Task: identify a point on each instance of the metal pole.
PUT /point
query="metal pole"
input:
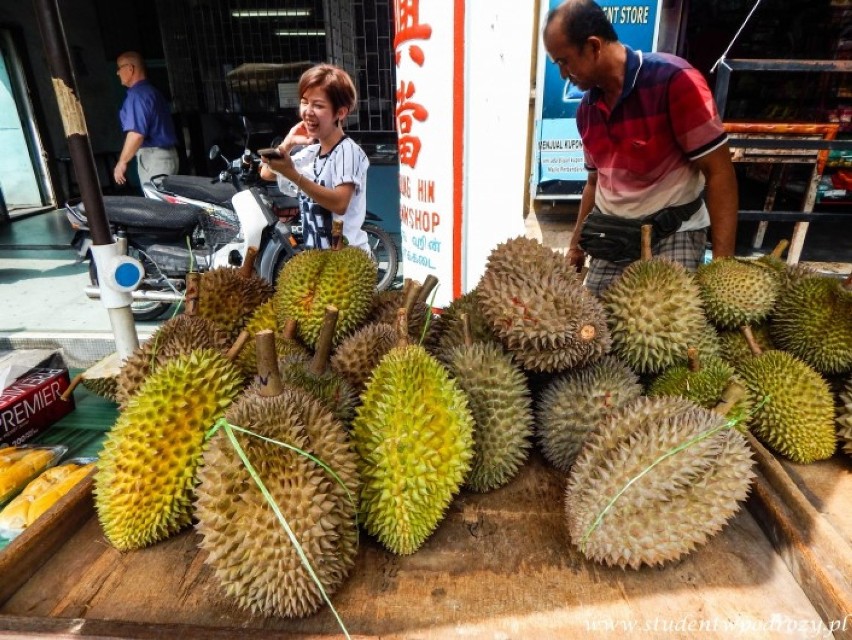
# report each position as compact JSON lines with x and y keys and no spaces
{"x":80,"y":148}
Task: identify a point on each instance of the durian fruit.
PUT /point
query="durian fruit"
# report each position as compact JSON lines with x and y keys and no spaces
{"x":358,"y":354}
{"x":286,"y":344}
{"x":500,"y":403}
{"x":229,"y":296}
{"x":654,"y":312}
{"x":703,"y":380}
{"x":813,"y":321}
{"x":175,"y":337}
{"x":315,"y":376}
{"x":844,"y":416}
{"x":452,"y":328}
{"x":575,"y":402}
{"x":102,"y":377}
{"x":737,"y":292}
{"x":413,"y":436}
{"x":633,"y":498}
{"x":533,"y":301}
{"x":794,"y":411}
{"x":789,"y":274}
{"x":314,"y":279}
{"x":146,"y":471}
{"x":251,"y":554}
{"x":734,"y":347}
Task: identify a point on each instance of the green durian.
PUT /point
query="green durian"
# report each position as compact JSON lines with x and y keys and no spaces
{"x":146,"y":471}
{"x":703,"y":381}
{"x":175,"y":337}
{"x":813,"y":321}
{"x":737,"y":292}
{"x":500,"y":403}
{"x":575,"y":402}
{"x":315,"y":279}
{"x":251,"y":554}
{"x":794,"y":410}
{"x":655,"y":314}
{"x":734,"y":347}
{"x":452,"y":332}
{"x":658,"y":478}
{"x":413,"y":436}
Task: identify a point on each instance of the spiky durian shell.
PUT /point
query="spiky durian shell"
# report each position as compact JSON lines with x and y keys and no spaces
{"x":534,"y":303}
{"x":104,"y":387}
{"x":575,"y":402}
{"x":316,"y":279}
{"x":737,"y":292}
{"x":813,"y":321}
{"x":735,"y":349}
{"x":654,"y":314}
{"x":177,"y":336}
{"x":670,"y":508}
{"x":844,"y":417}
{"x":704,"y":387}
{"x":500,"y":403}
{"x":358,"y":354}
{"x":228,"y":298}
{"x":251,"y":554}
{"x":330,"y":388}
{"x":146,"y":470}
{"x":794,"y":411}
{"x":413,"y":436}
{"x":452,"y":328}
{"x":788,"y":274}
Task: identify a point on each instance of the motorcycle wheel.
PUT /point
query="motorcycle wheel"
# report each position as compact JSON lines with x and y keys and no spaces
{"x":385,"y":254}
{"x":141,"y":310}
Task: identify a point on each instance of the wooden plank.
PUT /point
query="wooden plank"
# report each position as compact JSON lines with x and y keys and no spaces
{"x":827,"y":485}
{"x":37,"y":544}
{"x":500,"y":565}
{"x":814,"y":551}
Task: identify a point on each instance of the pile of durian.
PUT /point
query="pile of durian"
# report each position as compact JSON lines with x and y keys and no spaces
{"x":640,"y":398}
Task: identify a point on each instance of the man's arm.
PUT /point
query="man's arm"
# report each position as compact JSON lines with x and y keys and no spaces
{"x":132,"y":143}
{"x":722,"y":199}
{"x":576,"y":256}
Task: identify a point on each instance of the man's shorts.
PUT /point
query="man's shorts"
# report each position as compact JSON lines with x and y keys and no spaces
{"x":685,"y":247}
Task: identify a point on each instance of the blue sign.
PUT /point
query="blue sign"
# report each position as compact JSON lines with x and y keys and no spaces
{"x":558,"y":157}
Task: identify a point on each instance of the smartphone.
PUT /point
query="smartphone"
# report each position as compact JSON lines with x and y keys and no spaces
{"x":271,"y":152}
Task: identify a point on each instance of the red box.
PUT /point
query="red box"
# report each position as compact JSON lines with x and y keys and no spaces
{"x":31,"y":404}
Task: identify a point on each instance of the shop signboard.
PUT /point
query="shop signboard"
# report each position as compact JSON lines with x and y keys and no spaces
{"x":558,"y":170}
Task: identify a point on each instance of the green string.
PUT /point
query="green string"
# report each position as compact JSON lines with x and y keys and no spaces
{"x":730,"y":424}
{"x":229,"y":431}
{"x":428,"y":319}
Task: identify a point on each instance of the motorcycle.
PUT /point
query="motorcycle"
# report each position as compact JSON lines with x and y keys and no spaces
{"x":172,"y":239}
{"x":215,"y":195}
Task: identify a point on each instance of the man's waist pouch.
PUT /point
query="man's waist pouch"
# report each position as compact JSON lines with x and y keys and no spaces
{"x":619,"y":240}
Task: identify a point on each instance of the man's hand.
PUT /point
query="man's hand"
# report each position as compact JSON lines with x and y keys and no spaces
{"x":119,"y":172}
{"x":576,"y":257}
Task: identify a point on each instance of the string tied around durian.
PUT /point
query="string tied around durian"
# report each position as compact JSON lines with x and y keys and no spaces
{"x":733,"y":422}
{"x":229,"y":429}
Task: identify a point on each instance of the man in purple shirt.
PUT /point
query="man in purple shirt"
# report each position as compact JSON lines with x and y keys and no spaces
{"x":147,"y":122}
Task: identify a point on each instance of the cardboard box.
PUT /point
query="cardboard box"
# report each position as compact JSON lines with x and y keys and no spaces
{"x":30,"y":400}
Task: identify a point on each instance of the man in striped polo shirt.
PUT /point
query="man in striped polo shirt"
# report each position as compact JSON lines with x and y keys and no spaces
{"x":652,"y":139}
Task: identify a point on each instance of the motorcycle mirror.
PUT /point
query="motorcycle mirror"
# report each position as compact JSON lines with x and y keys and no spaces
{"x":214,"y":152}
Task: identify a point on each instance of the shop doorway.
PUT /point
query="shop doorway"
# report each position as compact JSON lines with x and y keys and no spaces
{"x":23,"y":185}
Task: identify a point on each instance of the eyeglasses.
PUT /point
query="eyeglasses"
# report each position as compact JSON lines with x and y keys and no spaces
{"x":121,"y":66}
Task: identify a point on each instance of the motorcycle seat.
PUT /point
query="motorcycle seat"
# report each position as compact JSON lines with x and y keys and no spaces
{"x":199,"y":188}
{"x":133,"y":211}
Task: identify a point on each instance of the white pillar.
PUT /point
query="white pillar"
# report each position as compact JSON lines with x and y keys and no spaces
{"x":463,"y":96}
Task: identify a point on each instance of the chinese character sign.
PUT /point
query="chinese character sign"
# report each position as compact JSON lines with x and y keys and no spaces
{"x":425,"y":53}
{"x":558,"y":154}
